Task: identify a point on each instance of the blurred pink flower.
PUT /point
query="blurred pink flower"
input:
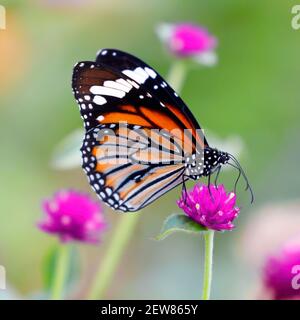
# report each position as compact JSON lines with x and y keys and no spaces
{"x":269,"y":237}
{"x":212,"y":208}
{"x":269,"y":227}
{"x":73,"y":216}
{"x":281,"y":273}
{"x":189,"y":40}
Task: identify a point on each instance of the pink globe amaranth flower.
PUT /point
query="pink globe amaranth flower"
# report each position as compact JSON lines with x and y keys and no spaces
{"x":210,"y":206}
{"x":189,"y":40}
{"x":73,"y":216}
{"x":281,"y":273}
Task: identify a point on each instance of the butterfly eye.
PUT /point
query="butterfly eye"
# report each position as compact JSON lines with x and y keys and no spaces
{"x":224,"y":157}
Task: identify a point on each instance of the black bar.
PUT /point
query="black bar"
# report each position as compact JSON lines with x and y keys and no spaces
{"x":141,"y":309}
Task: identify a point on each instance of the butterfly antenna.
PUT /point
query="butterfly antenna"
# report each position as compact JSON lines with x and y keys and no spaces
{"x":241,"y":172}
{"x":238,"y":177}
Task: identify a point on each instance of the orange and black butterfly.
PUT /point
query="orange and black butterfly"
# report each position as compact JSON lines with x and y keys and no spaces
{"x":141,"y":139}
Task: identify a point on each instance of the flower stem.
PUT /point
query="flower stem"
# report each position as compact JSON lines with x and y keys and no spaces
{"x":177,"y":75}
{"x":120,"y":239}
{"x":125,"y":227}
{"x":208,"y":263}
{"x":60,"y":272}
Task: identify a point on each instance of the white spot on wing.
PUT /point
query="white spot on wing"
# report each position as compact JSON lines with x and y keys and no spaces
{"x":108,"y":191}
{"x":139,"y":75}
{"x":99,"y":100}
{"x":107,"y":91}
{"x":134,"y":84}
{"x":117,"y":85}
{"x":151,"y":72}
{"x":140,"y":71}
{"x":124,"y":83}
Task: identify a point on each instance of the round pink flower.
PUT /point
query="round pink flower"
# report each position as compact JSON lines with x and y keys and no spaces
{"x":189,"y":40}
{"x":282,"y":273}
{"x":73,"y":216}
{"x":210,"y":206}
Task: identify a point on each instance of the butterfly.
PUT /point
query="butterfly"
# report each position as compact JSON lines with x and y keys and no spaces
{"x":135,"y":125}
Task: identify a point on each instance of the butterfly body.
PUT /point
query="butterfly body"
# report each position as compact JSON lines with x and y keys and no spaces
{"x":205,"y":163}
{"x":141,"y":139}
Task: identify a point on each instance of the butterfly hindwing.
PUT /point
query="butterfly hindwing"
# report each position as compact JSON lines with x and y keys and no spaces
{"x":120,"y":182}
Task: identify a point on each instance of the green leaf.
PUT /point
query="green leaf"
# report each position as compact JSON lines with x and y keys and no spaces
{"x":67,"y":153}
{"x":179,"y":222}
{"x":49,"y":267}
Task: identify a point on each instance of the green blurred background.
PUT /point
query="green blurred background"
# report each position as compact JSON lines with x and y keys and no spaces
{"x":252,"y":93}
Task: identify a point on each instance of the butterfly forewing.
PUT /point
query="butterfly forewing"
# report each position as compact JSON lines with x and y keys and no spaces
{"x":99,"y":89}
{"x":154,"y":84}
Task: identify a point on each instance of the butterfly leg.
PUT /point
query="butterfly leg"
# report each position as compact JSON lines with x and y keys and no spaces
{"x":217,"y":176}
{"x":184,"y":189}
{"x":208,"y":182}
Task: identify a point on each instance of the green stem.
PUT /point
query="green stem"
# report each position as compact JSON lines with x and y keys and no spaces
{"x":120,"y":239}
{"x":208,"y":263}
{"x":125,"y":227}
{"x":177,"y":75}
{"x":60,"y":272}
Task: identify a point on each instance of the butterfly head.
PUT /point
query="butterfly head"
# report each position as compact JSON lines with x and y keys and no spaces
{"x":224,"y":157}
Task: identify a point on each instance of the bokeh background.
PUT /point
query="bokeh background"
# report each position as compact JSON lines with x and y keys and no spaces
{"x":253,"y":94}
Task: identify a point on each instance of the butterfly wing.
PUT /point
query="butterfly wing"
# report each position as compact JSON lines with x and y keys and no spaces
{"x":120,"y":182}
{"x":108,"y":96}
{"x":154,"y":84}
